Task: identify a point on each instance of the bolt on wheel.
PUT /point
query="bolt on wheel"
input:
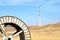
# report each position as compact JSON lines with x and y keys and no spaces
{"x":12,"y":27}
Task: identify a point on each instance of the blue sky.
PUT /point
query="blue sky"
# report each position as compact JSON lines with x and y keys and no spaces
{"x":27,"y":10}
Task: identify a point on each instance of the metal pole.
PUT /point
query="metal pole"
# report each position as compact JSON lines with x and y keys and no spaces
{"x":38,"y":15}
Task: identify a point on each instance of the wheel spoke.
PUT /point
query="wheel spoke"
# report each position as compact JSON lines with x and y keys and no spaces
{"x":17,"y":33}
{"x":3,"y":30}
{"x":12,"y":28}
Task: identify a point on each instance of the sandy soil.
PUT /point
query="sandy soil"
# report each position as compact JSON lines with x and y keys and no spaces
{"x":48,"y":32}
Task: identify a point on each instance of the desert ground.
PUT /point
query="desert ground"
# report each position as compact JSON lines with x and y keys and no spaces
{"x":48,"y":32}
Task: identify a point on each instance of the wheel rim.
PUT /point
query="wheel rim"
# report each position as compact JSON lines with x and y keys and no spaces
{"x":18,"y":25}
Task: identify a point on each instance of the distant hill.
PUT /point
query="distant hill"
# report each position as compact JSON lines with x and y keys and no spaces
{"x":48,"y":32}
{"x":46,"y":26}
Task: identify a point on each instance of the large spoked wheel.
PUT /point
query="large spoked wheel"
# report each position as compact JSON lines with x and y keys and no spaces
{"x":12,"y":27}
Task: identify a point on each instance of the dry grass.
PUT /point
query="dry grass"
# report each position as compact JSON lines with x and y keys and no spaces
{"x":49,"y":32}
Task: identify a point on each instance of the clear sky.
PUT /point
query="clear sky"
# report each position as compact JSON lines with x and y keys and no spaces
{"x":27,"y":10}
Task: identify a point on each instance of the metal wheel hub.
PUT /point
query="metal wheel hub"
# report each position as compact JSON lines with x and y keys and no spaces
{"x":20,"y":27}
{"x":7,"y":38}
